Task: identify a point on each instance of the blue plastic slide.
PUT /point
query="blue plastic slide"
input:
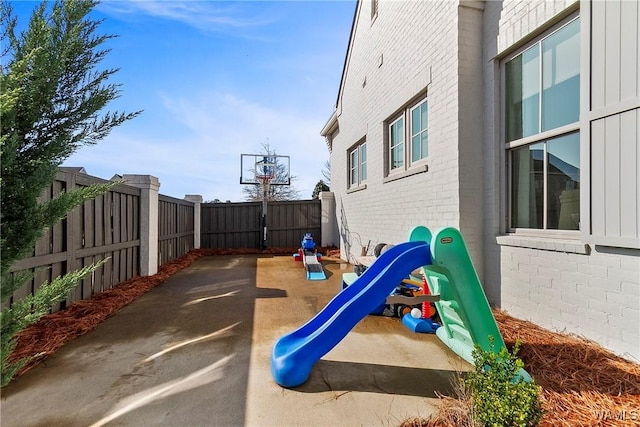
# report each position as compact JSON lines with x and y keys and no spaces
{"x":295,"y":354}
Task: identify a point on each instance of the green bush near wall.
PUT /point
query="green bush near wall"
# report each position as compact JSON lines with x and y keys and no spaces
{"x":500,"y":397}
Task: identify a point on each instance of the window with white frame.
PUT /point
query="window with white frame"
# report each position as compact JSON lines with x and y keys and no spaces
{"x":542,"y":139}
{"x":358,"y":164}
{"x":409,"y":144}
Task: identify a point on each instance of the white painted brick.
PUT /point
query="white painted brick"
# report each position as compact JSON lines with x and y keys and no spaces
{"x":604,"y":306}
{"x":541,"y":280}
{"x":622,"y":275}
{"x":591,"y":292}
{"x":617,"y":298}
{"x":628,"y":347}
{"x":632,"y":313}
{"x":528,"y":269}
{"x":571,"y":277}
{"x":549,"y":294}
{"x":630,"y":263}
{"x":575,"y":298}
{"x":606,"y":260}
{"x":631,"y":289}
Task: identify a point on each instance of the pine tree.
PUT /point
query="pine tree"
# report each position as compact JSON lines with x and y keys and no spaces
{"x":51,"y":101}
{"x":320,"y":186}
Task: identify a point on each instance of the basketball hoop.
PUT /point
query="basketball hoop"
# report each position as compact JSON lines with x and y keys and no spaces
{"x":264,"y":179}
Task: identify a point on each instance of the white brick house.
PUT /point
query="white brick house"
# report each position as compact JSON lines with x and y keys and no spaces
{"x":516,"y":121}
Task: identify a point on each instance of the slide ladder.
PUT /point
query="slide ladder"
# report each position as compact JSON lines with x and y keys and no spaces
{"x":463,"y":307}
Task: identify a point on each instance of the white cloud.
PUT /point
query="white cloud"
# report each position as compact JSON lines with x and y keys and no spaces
{"x":216,"y":128}
{"x":203,"y":15}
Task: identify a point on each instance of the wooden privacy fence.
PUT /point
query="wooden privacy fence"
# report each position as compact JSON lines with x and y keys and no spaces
{"x":175,"y":228}
{"x":110,"y":226}
{"x":121,"y":226}
{"x":239,"y":225}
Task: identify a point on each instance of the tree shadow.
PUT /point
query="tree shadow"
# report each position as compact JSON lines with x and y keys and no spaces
{"x":329,"y":375}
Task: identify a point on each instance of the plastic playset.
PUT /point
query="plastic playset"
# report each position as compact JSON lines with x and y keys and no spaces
{"x":448,"y":280}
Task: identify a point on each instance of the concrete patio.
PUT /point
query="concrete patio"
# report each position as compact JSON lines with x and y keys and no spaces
{"x":195,"y":351}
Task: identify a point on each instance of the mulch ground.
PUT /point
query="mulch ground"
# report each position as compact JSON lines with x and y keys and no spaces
{"x":582,"y":383}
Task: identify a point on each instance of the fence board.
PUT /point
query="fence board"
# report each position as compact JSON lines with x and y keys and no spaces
{"x":57,"y":269}
{"x":59,"y":229}
{"x":238,"y":225}
{"x":175,"y":228}
{"x":98,"y":225}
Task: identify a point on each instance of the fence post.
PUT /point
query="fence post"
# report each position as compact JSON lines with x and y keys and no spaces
{"x":149,"y":186}
{"x":329,"y":223}
{"x":197,"y":202}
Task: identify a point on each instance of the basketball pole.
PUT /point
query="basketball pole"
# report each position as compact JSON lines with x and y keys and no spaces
{"x":262,"y":169}
{"x":264,"y":213}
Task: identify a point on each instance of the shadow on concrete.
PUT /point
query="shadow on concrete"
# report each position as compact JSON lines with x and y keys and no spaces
{"x":329,"y":375}
{"x":172,"y":357}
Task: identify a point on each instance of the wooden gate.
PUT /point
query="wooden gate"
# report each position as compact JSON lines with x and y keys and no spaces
{"x":238,"y":225}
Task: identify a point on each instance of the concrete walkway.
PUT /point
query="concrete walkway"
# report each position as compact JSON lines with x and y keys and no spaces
{"x":195,"y":351}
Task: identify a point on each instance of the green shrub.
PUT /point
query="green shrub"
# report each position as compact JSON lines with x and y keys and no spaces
{"x":500,"y":397}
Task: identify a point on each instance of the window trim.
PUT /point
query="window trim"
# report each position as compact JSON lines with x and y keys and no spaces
{"x":541,"y":137}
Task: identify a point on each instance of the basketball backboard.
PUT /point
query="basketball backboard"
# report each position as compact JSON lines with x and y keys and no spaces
{"x":256,"y":167}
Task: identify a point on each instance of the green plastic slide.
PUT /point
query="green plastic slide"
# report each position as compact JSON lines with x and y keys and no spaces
{"x":466,"y":317}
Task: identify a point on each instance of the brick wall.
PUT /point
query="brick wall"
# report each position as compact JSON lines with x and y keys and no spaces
{"x":413,"y":57}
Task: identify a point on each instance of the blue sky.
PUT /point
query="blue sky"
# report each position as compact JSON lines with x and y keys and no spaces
{"x":217,"y":79}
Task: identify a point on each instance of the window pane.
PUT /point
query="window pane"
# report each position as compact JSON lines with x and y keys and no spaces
{"x":354,"y":167}
{"x":563,"y":182}
{"x":522,"y":94}
{"x":561,"y":77}
{"x":424,"y":144}
{"x":396,"y":143}
{"x":397,"y":157}
{"x":419,"y":132}
{"x":363,"y":162}
{"x":527,"y":186}
{"x":415,"y":121}
{"x":415,"y":148}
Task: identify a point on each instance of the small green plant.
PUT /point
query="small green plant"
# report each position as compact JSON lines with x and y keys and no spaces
{"x":500,"y":396}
